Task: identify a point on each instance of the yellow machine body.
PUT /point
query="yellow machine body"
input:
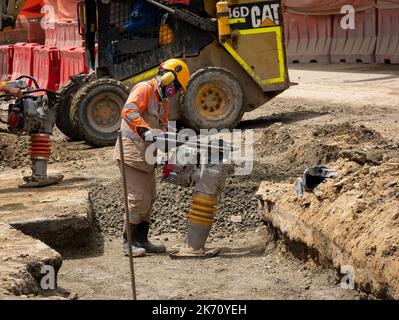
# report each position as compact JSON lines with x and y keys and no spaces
{"x":222,"y":10}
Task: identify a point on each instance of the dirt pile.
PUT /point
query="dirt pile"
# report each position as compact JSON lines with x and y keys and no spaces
{"x":237,"y":210}
{"x":323,"y":144}
{"x":276,"y":139}
{"x":14,"y":151}
{"x":351,"y":220}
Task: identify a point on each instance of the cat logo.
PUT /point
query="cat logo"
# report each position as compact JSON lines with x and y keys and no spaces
{"x":255,"y":15}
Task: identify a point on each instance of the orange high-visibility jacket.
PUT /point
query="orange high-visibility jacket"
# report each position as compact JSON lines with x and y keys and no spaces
{"x":143,"y":109}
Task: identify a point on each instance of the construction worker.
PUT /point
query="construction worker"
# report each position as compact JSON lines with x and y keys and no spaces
{"x":146,"y":111}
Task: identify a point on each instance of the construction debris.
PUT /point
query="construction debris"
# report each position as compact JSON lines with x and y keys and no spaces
{"x":312,"y":177}
{"x":22,"y":259}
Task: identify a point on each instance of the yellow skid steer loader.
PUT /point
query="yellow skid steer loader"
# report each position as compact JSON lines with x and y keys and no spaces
{"x":234,"y":49}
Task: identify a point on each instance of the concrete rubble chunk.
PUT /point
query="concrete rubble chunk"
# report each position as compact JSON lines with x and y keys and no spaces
{"x":21,"y":260}
{"x":236,"y":219}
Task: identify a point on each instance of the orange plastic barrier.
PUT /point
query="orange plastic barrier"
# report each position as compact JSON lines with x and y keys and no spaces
{"x":50,"y":19}
{"x":23,"y":60}
{"x":46,"y":67}
{"x":67,"y":10}
{"x":68,"y":35}
{"x":325,"y":7}
{"x":73,"y":62}
{"x":29,"y":19}
{"x":63,"y":34}
{"x":308,"y":38}
{"x":6,"y":55}
{"x":388,"y":36}
{"x":52,"y":12}
{"x":51,"y":34}
{"x":357,"y":45}
{"x":32,"y":5}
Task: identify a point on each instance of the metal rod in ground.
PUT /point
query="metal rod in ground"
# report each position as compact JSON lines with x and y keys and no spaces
{"x":128,"y":227}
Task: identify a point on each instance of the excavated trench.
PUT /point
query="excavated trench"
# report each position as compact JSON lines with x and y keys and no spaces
{"x":305,"y":252}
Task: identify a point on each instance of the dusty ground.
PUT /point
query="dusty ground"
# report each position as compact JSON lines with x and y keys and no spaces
{"x":249,"y":267}
{"x":334,"y":108}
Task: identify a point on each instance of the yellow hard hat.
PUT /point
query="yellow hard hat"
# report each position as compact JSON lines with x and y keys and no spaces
{"x":179,"y":68}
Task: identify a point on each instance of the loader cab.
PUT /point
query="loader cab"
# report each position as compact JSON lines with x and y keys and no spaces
{"x":123,"y":38}
{"x":133,"y":29}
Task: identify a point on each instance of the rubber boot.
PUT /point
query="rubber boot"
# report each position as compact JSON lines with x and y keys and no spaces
{"x":136,"y":252}
{"x":141,"y":239}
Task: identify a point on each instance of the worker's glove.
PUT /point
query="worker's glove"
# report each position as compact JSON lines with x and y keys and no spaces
{"x":149,"y":136}
{"x":141,"y":131}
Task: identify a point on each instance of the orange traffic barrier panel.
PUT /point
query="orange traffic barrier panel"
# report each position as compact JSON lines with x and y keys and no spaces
{"x":388,"y":36}
{"x":23,"y":60}
{"x":355,"y":45}
{"x":67,"y":34}
{"x":66,"y":10}
{"x":308,"y":38}
{"x":46,"y":67}
{"x":6,"y":55}
{"x":73,"y":62}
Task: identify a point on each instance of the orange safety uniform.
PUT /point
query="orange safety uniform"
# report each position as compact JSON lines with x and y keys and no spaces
{"x":143,"y":108}
{"x":142,"y":103}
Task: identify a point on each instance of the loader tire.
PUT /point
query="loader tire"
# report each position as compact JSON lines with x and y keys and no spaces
{"x":96,"y":110}
{"x":63,"y":107}
{"x":213,"y":100}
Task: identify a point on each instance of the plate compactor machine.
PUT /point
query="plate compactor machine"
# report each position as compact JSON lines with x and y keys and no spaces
{"x":234,"y":49}
{"x":32,"y":111}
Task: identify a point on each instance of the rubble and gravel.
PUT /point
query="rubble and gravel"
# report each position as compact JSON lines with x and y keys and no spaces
{"x":171,"y":208}
{"x":322,"y":145}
